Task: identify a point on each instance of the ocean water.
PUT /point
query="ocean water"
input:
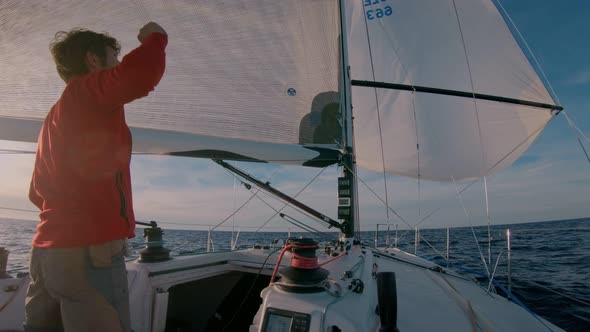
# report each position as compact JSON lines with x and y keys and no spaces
{"x":550,"y":261}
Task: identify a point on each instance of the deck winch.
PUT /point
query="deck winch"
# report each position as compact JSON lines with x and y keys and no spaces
{"x":304,"y":275}
{"x":154,"y":250}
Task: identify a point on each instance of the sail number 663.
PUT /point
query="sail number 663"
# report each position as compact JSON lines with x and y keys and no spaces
{"x":379,"y":12}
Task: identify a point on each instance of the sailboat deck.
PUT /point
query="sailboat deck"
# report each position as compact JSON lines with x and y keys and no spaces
{"x":201,"y":292}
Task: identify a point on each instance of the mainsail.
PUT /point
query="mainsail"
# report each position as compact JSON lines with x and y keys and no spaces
{"x":245,"y":80}
{"x":448,"y":92}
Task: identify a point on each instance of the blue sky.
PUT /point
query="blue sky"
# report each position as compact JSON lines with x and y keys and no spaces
{"x":551,"y":181}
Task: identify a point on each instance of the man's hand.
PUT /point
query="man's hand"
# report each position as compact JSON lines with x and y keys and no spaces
{"x":148,"y":29}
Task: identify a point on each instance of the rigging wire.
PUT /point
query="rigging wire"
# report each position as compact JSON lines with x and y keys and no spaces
{"x":458,"y":192}
{"x":234,"y":216}
{"x":392,"y":210}
{"x":10,"y":151}
{"x":487,"y":172}
{"x":418,"y":224}
{"x":392,"y":44}
{"x":584,"y":149}
{"x":546,"y":80}
{"x":255,"y":194}
{"x":538,"y":130}
{"x":409,"y":78}
{"x":433,"y":248}
{"x":584,"y":302}
{"x":472,"y":230}
{"x":312,"y":230}
{"x":246,"y":202}
{"x":378,"y":116}
{"x":470,"y":83}
{"x":236,"y":211}
{"x":376,"y":195}
{"x":270,"y":206}
{"x":419,"y":175}
{"x":401,"y":218}
{"x":295,"y":196}
{"x":305,"y":227}
{"x":17,"y":209}
{"x":485,"y":185}
{"x":574,"y":127}
{"x":385,"y":31}
{"x":530,"y":52}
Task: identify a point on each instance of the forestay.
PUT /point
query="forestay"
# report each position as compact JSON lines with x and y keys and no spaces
{"x":245,"y":80}
{"x":459,"y":45}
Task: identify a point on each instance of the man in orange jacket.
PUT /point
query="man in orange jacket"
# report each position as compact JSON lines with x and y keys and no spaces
{"x":81,"y":183}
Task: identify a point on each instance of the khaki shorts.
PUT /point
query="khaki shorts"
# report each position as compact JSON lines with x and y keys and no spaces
{"x":78,"y":289}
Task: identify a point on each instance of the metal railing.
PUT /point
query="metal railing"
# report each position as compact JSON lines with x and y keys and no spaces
{"x":418,"y":238}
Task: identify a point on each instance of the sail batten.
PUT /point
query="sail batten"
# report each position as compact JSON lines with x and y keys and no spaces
{"x":456,"y":93}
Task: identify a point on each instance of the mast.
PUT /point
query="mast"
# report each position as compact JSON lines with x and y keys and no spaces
{"x":347,"y":183}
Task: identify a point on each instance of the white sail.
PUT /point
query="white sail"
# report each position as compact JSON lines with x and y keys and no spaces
{"x":254,"y":73}
{"x":459,"y":45}
{"x":244,"y":72}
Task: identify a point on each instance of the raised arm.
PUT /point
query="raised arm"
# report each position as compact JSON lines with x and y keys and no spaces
{"x":138,"y":73}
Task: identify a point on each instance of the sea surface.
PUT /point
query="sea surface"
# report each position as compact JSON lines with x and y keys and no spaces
{"x":550,"y":261}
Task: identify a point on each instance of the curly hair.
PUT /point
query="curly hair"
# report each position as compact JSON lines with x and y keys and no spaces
{"x":69,"y":50}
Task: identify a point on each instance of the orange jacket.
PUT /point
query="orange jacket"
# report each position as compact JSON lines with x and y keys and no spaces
{"x":81,"y":181}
